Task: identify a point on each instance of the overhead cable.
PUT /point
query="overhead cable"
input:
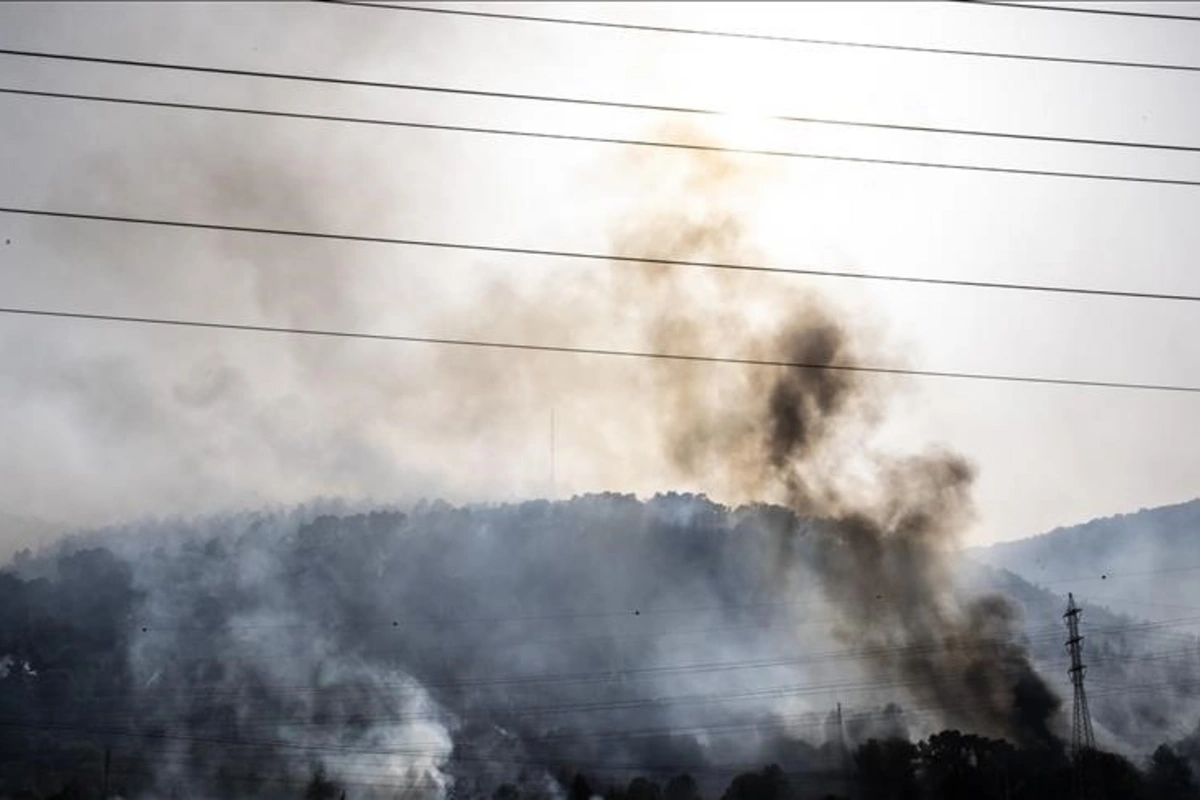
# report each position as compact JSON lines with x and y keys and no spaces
{"x":692,"y":146}
{"x":588,"y":351}
{"x":601,"y":257}
{"x":1083,"y":9}
{"x":771,"y":37}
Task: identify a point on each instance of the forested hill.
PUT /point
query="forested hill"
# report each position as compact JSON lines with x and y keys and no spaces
{"x":247,"y":655}
{"x":1146,"y":564}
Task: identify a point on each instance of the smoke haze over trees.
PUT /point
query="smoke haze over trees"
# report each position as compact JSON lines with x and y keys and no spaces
{"x":504,"y":649}
{"x":1144,"y":563}
{"x":810,"y":631}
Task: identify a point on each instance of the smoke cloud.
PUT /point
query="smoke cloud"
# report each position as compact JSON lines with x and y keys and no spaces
{"x":893,"y":524}
{"x":268,"y":631}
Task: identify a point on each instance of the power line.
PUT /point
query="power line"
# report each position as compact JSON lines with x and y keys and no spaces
{"x":592,"y":351}
{"x":627,"y":703}
{"x":623,"y":703}
{"x":1082,"y":10}
{"x":1040,"y":635}
{"x":1104,"y":576}
{"x":656,"y":107}
{"x":258,"y":722}
{"x":419,"y":749}
{"x":545,"y":98}
{"x":494,"y":131}
{"x":568,"y":100}
{"x":616,"y":674}
{"x":788,"y":721}
{"x":636,"y":703}
{"x":768,"y":37}
{"x":634,"y":611}
{"x":603,"y":257}
{"x":771,"y":691}
{"x":437,"y":750}
{"x":1108,"y":601}
{"x":785,"y":722}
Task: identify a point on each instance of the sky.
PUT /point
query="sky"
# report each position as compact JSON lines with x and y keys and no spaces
{"x":108,"y":422}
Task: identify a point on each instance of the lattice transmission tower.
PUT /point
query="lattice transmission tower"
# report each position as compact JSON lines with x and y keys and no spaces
{"x":1082,"y":737}
{"x":1085,"y":779}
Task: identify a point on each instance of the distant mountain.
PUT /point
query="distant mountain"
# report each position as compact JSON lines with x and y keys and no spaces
{"x":1137,"y":578}
{"x":1143,"y":677}
{"x":1146,"y":564}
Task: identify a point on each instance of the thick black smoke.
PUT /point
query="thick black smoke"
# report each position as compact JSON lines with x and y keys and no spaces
{"x":442,"y":648}
{"x":801,"y":435}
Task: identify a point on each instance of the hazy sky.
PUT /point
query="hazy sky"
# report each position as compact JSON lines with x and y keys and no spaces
{"x":103,"y":422}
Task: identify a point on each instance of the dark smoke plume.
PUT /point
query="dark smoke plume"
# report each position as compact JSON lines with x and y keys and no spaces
{"x":801,"y":435}
{"x":414,"y":648}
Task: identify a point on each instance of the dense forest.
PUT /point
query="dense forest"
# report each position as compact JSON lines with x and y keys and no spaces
{"x":603,"y":646}
{"x":1126,"y":557}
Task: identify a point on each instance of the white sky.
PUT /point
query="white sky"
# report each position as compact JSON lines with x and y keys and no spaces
{"x":309,"y":421}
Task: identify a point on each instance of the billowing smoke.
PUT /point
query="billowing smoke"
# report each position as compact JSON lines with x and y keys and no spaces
{"x":450,"y":647}
{"x":800,"y":434}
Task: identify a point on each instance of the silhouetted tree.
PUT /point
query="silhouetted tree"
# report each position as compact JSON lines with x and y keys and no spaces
{"x":73,"y":790}
{"x":320,"y":787}
{"x":946,"y":764}
{"x":1118,"y":777}
{"x":643,"y":789}
{"x":1039,"y":773}
{"x":887,"y":769}
{"x":506,"y":791}
{"x":1169,"y":776}
{"x":580,"y":788}
{"x":770,"y":784}
{"x":957,"y":765}
{"x":682,"y":787}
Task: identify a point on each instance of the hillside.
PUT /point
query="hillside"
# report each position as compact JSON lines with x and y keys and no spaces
{"x":1145,"y":564}
{"x":1141,"y":678}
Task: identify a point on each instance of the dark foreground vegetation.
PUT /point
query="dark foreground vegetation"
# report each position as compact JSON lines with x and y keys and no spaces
{"x":947,"y":766}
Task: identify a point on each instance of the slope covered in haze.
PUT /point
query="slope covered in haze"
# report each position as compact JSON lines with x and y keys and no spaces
{"x":1146,"y":564}
{"x":1137,"y":578}
{"x":465,"y":647}
{"x":1143,"y":677}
